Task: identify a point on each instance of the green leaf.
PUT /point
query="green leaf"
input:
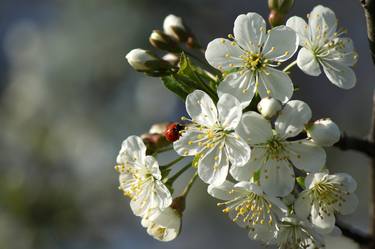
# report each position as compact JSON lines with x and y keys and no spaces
{"x":195,"y":77}
{"x":176,"y":86}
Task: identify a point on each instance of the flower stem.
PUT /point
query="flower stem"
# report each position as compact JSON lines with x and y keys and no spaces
{"x":163,"y":149}
{"x":167,"y":166}
{"x":195,"y":57}
{"x":189,"y":185}
{"x":287,"y":68}
{"x":177,"y":175}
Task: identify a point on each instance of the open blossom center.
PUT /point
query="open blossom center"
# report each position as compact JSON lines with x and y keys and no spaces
{"x":328,"y":195}
{"x":254,"y":61}
{"x":208,"y":137}
{"x":250,"y":208}
{"x":294,"y":236}
{"x":136,"y":181}
{"x":275,"y":149}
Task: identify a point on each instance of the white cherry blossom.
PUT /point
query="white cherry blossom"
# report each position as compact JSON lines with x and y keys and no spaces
{"x":298,"y":234}
{"x":326,"y":195}
{"x":211,"y":136}
{"x":163,"y":225}
{"x":140,"y":177}
{"x":275,"y":151}
{"x":249,"y":60}
{"x":249,"y":207}
{"x":323,"y":46}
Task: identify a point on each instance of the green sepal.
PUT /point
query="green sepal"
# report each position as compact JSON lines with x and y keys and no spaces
{"x":256,"y":176}
{"x":176,"y":86}
{"x":301,"y":181}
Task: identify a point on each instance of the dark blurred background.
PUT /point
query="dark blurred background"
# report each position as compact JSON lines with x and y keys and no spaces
{"x":68,"y":99}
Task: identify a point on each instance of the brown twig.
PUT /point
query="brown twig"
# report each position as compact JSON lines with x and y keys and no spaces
{"x":369,"y":10}
{"x":364,"y":146}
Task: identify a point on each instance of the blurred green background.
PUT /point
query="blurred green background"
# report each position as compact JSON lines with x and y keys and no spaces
{"x":68,"y":99}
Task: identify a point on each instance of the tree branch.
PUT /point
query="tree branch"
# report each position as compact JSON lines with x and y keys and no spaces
{"x":356,"y":235}
{"x":364,"y":146}
{"x":369,"y":9}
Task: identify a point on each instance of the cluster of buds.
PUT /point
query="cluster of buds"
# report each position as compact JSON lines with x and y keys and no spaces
{"x":175,"y":32}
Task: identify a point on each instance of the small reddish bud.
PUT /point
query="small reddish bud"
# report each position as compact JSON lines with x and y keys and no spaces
{"x":172,"y":132}
{"x":276,"y":18}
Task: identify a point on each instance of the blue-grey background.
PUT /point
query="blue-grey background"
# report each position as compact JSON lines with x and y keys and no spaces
{"x":68,"y":99}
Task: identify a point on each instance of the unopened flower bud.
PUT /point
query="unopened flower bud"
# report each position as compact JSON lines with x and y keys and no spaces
{"x":175,"y":27}
{"x":173,"y":132}
{"x":279,"y":9}
{"x":281,"y":6}
{"x":146,"y":61}
{"x":269,"y":107}
{"x":323,"y":132}
{"x":173,"y":59}
{"x":276,"y":18}
{"x":162,"y":41}
{"x":158,"y":128}
{"x":163,"y":225}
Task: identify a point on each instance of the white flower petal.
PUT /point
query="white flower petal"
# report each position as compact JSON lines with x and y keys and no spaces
{"x":230,"y":112}
{"x":250,"y":31}
{"x":300,"y":26}
{"x":292,"y":119}
{"x":278,"y":203}
{"x":222,"y":191}
{"x":275,"y":83}
{"x":163,"y":195}
{"x":277,"y":178}
{"x":201,"y":108}
{"x":254,"y":128}
{"x":344,"y":52}
{"x":349,"y":205}
{"x":302,"y":206}
{"x":312,"y":179}
{"x":221,"y":54}
{"x":188,"y":143}
{"x":306,"y":155}
{"x":308,"y":63}
{"x":322,"y":23}
{"x":348,"y":182}
{"x":323,"y":222}
{"x":213,"y":167}
{"x":238,"y":151}
{"x":153,"y":167}
{"x":132,"y":149}
{"x":339,"y":74}
{"x":281,"y":44}
{"x":168,"y":221}
{"x":144,"y":201}
{"x":241,"y":86}
{"x":264,"y":233}
{"x":249,"y":187}
{"x":246,"y":172}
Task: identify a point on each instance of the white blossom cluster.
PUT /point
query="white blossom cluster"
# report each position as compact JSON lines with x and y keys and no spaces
{"x":266,"y":165}
{"x":140,"y":180}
